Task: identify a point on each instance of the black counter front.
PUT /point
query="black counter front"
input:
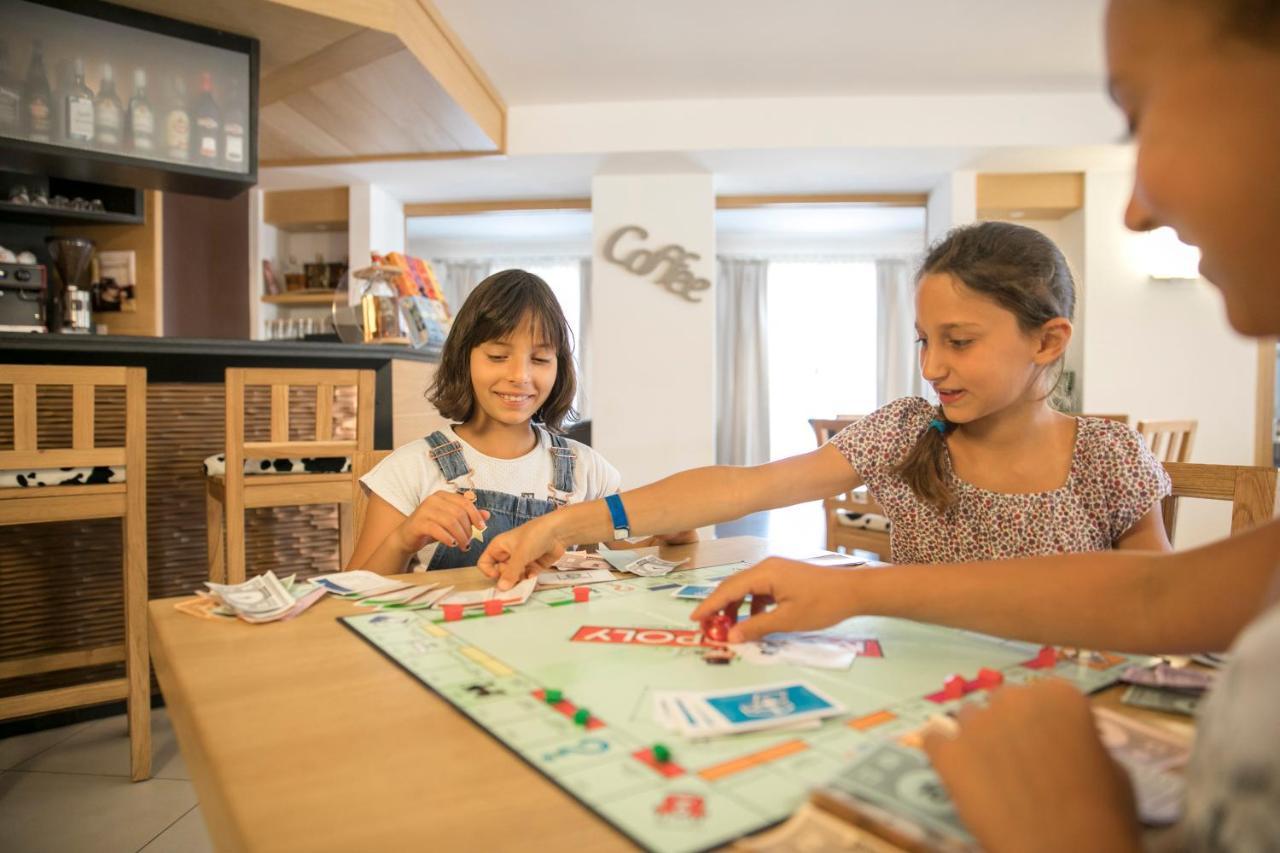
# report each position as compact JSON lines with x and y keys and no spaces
{"x":206,"y":360}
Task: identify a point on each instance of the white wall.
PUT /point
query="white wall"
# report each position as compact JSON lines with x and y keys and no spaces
{"x":653,"y":352}
{"x":375,"y":222}
{"x":1160,"y":349}
{"x":953,"y":202}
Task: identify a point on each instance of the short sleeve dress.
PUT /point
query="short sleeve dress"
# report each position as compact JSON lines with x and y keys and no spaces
{"x":1114,"y":480}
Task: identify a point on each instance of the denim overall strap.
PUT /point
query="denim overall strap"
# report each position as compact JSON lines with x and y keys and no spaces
{"x":563,"y":461}
{"x":449,"y":459}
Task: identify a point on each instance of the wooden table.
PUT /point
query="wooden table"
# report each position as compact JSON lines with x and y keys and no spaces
{"x":300,"y":737}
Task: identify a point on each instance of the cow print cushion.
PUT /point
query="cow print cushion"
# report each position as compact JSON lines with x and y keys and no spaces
{"x":863,"y":520}
{"x":216,"y":465}
{"x":28,"y":478}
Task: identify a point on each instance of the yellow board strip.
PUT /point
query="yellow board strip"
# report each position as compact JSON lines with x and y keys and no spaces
{"x":755,"y":759}
{"x":496,"y":667}
{"x":433,"y":629}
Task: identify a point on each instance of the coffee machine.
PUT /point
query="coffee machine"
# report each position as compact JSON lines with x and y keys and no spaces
{"x":22,"y":297}
{"x":67,"y":302}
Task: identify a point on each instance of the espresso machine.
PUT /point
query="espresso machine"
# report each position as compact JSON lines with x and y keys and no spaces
{"x":22,"y":297}
{"x":67,"y":303}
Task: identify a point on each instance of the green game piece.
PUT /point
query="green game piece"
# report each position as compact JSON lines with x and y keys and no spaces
{"x":660,"y":753}
{"x":581,"y":716}
{"x":553,"y":696}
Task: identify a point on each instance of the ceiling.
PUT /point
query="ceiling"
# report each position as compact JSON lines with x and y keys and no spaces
{"x":573,"y":51}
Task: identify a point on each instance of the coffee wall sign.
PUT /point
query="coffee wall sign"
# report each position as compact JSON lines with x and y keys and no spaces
{"x":671,"y":262}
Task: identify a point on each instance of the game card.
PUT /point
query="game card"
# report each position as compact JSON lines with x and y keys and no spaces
{"x":694,"y":592}
{"x":764,"y":707}
{"x":551,"y":580}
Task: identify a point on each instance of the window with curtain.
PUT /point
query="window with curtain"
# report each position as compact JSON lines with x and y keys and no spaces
{"x":822,"y":346}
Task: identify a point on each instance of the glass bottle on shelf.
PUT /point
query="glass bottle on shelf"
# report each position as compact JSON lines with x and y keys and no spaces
{"x":177,"y":124}
{"x":77,"y":105}
{"x":10,"y":95}
{"x":108,"y":112}
{"x":207,"y":125}
{"x":141,"y":121}
{"x":233,"y":134}
{"x":37,"y":98}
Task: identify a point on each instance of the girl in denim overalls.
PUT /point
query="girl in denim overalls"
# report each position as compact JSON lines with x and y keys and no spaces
{"x":506,"y":379}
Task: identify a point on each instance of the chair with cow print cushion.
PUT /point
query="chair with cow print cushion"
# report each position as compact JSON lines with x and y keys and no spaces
{"x":324,"y":476}
{"x":84,"y":481}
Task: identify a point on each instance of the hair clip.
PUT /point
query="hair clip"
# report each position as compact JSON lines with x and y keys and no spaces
{"x":940,"y":426}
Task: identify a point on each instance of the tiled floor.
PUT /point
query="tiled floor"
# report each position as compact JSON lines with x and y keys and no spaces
{"x":67,"y":790}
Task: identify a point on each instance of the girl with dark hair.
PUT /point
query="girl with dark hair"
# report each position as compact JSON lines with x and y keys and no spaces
{"x":506,"y":377}
{"x":992,"y":472}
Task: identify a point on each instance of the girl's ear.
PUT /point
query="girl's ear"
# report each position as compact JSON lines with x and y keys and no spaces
{"x":1054,"y":337}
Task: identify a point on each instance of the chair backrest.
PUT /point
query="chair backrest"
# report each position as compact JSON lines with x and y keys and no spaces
{"x":84,"y":452}
{"x":280,"y":445}
{"x":859,"y":499}
{"x":1169,"y":441}
{"x":1251,"y":490}
{"x":1123,"y":419}
{"x":362,"y":463}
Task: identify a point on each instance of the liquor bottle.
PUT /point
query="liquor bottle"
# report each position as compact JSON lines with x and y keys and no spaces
{"x":177,"y":124}
{"x":207,"y":125}
{"x":77,"y":105}
{"x":108,"y":112}
{"x":233,"y":135}
{"x":10,"y":96}
{"x":141,"y":121}
{"x":37,"y":98}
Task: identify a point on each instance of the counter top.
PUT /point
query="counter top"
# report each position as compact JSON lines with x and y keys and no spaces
{"x":198,"y":359}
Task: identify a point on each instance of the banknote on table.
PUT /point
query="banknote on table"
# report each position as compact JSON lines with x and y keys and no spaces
{"x":811,"y":828}
{"x":264,"y":598}
{"x":1155,"y":699}
{"x":653,"y":567}
{"x":1169,"y":677}
{"x":895,"y":789}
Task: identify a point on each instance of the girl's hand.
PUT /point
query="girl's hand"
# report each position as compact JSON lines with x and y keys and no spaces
{"x":516,"y":554}
{"x":1028,"y":772}
{"x":444,"y":517}
{"x":807,"y":598}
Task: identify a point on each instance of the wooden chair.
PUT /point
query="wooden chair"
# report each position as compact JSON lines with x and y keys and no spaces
{"x":1124,"y":419}
{"x":1251,"y":490}
{"x":126,"y":501}
{"x":361,"y":463}
{"x":1170,"y":441}
{"x":228,"y":496}
{"x":857,"y":502}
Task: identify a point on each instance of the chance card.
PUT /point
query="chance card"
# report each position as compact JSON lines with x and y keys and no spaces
{"x":694,"y":592}
{"x":767,"y":706}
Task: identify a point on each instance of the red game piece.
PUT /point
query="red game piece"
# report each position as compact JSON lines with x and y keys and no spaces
{"x":717,"y":629}
{"x":953,"y":687}
{"x":493,"y":607}
{"x":1048,"y":657}
{"x":990,"y":677}
{"x":452,"y":612}
{"x":581,"y":593}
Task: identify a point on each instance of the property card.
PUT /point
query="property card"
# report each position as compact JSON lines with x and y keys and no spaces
{"x":550,"y":580}
{"x":344,"y":583}
{"x":513,"y":597}
{"x":581,"y":560}
{"x":763,"y":707}
{"x":694,"y":591}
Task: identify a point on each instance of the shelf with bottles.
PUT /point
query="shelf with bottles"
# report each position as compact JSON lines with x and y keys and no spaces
{"x":98,"y":92}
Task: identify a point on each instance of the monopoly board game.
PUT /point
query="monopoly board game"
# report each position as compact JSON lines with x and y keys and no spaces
{"x":608,"y":655}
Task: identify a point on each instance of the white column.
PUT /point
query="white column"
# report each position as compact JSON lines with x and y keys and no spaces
{"x":653,"y":350}
{"x":375,"y":223}
{"x":953,"y":202}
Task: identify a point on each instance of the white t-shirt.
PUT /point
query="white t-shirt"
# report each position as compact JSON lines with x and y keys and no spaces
{"x":1233,"y":781}
{"x":406,"y":477}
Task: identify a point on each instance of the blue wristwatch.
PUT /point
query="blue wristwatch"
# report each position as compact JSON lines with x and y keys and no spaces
{"x":621,"y":527}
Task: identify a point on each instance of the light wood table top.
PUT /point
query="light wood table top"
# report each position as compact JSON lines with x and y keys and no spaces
{"x":300,"y":737}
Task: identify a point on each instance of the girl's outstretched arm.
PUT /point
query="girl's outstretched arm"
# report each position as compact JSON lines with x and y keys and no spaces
{"x":683,"y":501}
{"x":1132,"y":601}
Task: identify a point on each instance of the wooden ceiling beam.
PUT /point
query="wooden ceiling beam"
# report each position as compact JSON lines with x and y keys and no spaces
{"x":354,"y":51}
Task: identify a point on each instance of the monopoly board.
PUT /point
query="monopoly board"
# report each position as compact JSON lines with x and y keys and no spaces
{"x":632,"y":638}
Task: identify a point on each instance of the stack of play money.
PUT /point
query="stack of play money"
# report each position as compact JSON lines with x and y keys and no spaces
{"x":264,"y":598}
{"x":1166,"y":688}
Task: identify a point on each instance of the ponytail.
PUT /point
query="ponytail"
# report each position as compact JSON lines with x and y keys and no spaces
{"x":924,"y":469}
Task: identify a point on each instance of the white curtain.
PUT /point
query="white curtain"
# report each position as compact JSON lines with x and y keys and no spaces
{"x":584,"y":339}
{"x":742,"y":362}
{"x":899,"y":363}
{"x":459,"y":277}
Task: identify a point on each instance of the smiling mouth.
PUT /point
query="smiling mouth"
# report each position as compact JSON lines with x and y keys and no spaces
{"x":514,"y":398}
